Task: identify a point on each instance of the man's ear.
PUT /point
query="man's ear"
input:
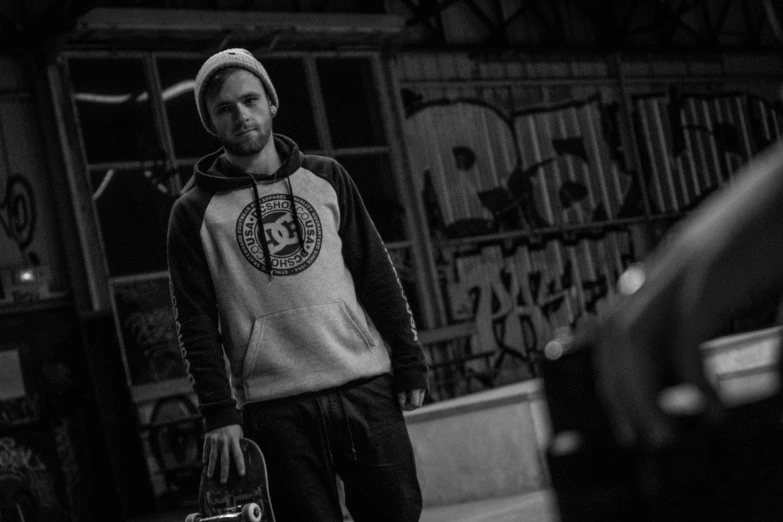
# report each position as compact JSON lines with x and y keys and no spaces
{"x":274,"y":110}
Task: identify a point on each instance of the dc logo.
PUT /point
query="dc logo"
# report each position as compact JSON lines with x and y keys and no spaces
{"x":289,"y":253}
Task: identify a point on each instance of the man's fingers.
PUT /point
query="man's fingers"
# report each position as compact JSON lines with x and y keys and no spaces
{"x":239,"y":457}
{"x":417,"y":398}
{"x":411,"y":399}
{"x":212,"y":458}
{"x":224,"y":462}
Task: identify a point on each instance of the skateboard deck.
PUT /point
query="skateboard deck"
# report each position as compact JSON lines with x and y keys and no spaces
{"x":243,"y":499}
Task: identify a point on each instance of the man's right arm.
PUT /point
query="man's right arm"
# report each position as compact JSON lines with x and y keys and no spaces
{"x":195,"y":312}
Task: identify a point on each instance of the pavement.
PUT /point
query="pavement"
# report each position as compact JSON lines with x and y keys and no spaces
{"x":531,"y":507}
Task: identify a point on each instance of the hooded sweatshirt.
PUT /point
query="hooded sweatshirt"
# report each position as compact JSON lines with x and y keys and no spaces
{"x":307,"y":302}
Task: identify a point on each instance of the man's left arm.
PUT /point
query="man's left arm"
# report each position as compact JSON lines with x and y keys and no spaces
{"x":380,"y":292}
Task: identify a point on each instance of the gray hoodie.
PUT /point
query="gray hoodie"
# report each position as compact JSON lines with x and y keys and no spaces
{"x":330,"y":311}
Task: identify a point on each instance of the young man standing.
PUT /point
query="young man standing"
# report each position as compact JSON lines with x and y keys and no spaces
{"x":274,"y":259}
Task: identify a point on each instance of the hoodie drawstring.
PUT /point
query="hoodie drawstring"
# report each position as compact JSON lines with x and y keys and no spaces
{"x":293,"y":209}
{"x":347,"y":425}
{"x":325,"y":432}
{"x":261,"y":231}
{"x":327,"y":407}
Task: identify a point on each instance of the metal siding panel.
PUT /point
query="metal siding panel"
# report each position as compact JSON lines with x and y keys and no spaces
{"x":649,"y":107}
{"x":677,"y":182}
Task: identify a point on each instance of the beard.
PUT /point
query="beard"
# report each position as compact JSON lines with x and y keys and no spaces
{"x":248,"y":146}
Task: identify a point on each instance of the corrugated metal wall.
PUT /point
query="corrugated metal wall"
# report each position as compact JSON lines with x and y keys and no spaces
{"x":694,"y":143}
{"x":526,"y":174}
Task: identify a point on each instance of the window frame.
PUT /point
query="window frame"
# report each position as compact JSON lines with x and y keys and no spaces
{"x":393,"y":149}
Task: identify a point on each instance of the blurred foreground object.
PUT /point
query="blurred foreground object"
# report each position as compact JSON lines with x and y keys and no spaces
{"x":641,"y":432}
{"x":728,"y":470}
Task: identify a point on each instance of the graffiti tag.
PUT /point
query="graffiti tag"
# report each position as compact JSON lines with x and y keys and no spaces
{"x":15,"y":456}
{"x":18,"y":215}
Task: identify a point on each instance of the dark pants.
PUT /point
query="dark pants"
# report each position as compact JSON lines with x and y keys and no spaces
{"x":357,"y":432}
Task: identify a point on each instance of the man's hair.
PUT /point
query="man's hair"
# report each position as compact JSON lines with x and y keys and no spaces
{"x":216,"y":81}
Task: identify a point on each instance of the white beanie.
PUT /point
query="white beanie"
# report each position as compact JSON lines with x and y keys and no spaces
{"x":241,"y":58}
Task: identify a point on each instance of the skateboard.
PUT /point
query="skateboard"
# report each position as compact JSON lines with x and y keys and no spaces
{"x":244,"y":499}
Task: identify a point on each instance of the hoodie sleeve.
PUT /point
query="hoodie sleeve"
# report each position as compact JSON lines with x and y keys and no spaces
{"x":196,"y":315}
{"x":378,"y":287}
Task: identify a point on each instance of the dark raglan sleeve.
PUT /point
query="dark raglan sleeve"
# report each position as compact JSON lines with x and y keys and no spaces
{"x":196,"y":315}
{"x":377,"y":285}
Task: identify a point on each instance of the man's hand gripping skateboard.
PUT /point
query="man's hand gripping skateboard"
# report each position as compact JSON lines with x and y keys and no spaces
{"x":239,"y":492}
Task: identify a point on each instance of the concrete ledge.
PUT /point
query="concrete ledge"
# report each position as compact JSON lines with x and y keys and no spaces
{"x":491,"y":444}
{"x":523,"y":391}
{"x":482,"y":446}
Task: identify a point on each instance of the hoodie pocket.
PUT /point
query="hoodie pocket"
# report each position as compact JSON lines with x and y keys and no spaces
{"x":358,"y":323}
{"x":281,"y":341}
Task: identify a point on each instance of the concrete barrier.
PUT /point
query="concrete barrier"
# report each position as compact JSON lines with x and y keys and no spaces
{"x":491,"y":444}
{"x":485,"y":445}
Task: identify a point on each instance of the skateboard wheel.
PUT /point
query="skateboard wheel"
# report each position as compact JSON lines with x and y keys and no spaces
{"x":251,"y":512}
{"x":193,"y":517}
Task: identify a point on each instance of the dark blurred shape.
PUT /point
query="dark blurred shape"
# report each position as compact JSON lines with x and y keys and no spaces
{"x":728,"y":471}
{"x":464,"y":157}
{"x":571,"y":192}
{"x":571,"y":146}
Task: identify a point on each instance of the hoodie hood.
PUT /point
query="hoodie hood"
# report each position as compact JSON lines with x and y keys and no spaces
{"x":214,"y":173}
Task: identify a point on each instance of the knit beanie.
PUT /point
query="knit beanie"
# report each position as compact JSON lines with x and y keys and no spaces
{"x":230,"y":58}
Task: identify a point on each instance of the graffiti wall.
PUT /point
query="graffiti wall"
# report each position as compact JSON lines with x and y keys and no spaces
{"x":558,"y":175}
{"x":28,"y":224}
{"x":691,"y":144}
{"x":28,"y":487}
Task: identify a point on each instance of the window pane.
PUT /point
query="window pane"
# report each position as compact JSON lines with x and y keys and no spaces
{"x":133,"y":210}
{"x":149,"y":333}
{"x":114,"y":108}
{"x":373,"y":178}
{"x":295,"y":118}
{"x":351,"y":102}
{"x":177,"y":77}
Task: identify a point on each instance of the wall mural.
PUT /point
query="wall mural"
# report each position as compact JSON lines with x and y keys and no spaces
{"x":28,"y":487}
{"x":481,"y":171}
{"x":692,"y":144}
{"x":558,"y":172}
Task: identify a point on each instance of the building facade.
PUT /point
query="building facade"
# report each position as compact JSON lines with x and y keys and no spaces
{"x":516,"y":157}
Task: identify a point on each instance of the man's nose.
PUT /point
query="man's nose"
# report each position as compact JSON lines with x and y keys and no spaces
{"x":242,"y":113}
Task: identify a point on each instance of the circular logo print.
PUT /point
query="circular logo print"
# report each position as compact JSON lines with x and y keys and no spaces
{"x":289,"y":253}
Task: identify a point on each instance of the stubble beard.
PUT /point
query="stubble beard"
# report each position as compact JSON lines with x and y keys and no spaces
{"x":251,"y":147}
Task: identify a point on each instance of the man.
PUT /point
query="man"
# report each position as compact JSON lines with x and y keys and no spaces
{"x":274,"y":260}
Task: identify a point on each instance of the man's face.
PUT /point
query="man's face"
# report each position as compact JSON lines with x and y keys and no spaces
{"x":241,"y":114}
